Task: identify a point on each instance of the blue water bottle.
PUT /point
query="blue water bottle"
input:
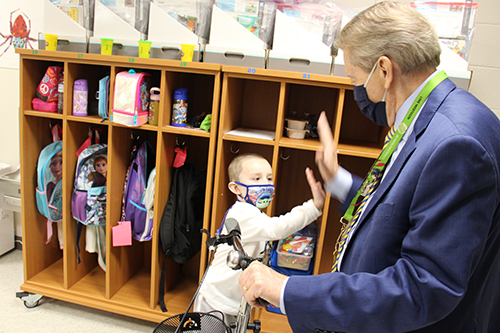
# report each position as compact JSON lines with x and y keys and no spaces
{"x":179,"y":109}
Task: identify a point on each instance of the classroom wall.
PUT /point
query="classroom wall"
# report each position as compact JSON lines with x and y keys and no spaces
{"x":483,"y":62}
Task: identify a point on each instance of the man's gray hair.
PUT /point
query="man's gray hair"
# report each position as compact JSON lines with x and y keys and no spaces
{"x":391,"y":29}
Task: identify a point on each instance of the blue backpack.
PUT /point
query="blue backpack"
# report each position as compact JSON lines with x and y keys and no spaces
{"x":49,"y":185}
{"x":133,"y":202}
{"x":102,"y":95}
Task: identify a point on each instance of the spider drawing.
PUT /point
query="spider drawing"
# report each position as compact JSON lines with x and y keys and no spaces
{"x":20,"y":32}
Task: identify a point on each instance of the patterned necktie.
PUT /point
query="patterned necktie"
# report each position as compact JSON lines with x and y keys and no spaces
{"x":366,"y":193}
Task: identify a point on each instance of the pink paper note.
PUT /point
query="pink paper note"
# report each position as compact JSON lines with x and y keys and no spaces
{"x":122,"y":234}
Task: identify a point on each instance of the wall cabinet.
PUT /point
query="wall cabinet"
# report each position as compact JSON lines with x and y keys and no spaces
{"x":252,"y":104}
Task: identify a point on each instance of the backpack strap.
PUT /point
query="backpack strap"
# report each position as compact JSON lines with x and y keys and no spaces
{"x":56,"y":131}
{"x":94,"y":137}
{"x":162,"y":287}
{"x":133,"y":154}
{"x":223,"y":220}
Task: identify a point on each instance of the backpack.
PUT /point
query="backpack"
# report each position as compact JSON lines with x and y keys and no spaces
{"x":47,"y":88}
{"x":131,"y":98}
{"x":48,"y":190}
{"x":102,"y":95}
{"x":148,"y":202}
{"x":88,"y":203}
{"x":182,"y":218}
{"x":133,"y":209}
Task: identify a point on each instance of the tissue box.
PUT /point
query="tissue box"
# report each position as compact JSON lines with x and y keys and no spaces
{"x":295,"y":252}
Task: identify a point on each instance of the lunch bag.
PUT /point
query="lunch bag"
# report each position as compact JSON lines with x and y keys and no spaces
{"x":131,"y":98}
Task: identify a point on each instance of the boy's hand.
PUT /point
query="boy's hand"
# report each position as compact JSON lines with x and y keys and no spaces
{"x":326,"y":159}
{"x":316,"y":189}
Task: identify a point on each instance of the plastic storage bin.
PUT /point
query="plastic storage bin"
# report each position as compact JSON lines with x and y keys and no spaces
{"x":296,"y":252}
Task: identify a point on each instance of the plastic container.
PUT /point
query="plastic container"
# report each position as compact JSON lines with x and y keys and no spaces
{"x":296,"y":124}
{"x":180,"y":107}
{"x":40,"y":105}
{"x":296,"y":253}
{"x":80,"y":97}
{"x":60,"y":96}
{"x":154,"y":105}
{"x":296,"y":133}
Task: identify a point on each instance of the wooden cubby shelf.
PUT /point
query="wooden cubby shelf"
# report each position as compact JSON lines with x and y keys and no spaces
{"x":240,"y":100}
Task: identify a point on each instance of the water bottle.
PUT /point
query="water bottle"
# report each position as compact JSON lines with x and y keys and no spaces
{"x":179,"y":109}
{"x":60,"y":97}
{"x":80,"y":98}
{"x":154,"y":105}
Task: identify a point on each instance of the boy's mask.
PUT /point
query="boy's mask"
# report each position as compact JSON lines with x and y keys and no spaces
{"x":259,"y":196}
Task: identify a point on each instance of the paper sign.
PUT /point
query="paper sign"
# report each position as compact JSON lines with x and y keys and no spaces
{"x":122,"y":234}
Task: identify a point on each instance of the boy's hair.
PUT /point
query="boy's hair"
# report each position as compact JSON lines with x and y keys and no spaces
{"x":235,"y":167}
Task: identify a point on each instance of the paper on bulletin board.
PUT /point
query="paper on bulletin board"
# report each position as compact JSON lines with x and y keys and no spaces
{"x":29,"y":17}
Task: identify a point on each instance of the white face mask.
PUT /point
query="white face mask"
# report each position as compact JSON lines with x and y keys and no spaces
{"x":259,"y":196}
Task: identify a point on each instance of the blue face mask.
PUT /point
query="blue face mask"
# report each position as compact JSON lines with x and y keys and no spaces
{"x":259,"y":196}
{"x":374,"y":111}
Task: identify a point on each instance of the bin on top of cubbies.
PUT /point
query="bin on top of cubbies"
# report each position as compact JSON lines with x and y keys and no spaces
{"x":240,"y":33}
{"x":126,"y":25}
{"x":303,"y":38}
{"x":69,"y":23}
{"x":173,"y":23}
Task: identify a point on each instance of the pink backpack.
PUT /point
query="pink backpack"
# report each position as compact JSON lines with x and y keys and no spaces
{"x":131,"y":98}
{"x":47,"y":89}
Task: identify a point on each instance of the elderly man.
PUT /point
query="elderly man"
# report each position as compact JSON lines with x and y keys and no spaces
{"x":420,"y":246}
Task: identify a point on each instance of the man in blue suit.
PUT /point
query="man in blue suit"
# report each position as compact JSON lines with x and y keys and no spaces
{"x":421,"y":245}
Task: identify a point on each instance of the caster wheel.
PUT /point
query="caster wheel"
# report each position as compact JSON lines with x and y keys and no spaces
{"x":31,"y":305}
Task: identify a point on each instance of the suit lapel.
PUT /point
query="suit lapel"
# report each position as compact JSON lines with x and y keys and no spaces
{"x":434,"y":101}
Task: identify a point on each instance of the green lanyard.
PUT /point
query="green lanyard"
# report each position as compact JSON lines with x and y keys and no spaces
{"x":379,"y":165}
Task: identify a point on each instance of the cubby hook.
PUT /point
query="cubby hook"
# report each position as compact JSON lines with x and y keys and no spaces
{"x":282,"y":157}
{"x":232,"y":151}
{"x":177,"y":142}
{"x":132,"y":136}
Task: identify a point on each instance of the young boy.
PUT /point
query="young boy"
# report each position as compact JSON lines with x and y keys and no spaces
{"x":251,"y":180}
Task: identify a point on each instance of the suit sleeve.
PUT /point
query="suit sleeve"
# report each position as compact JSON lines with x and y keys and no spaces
{"x":450,"y":212}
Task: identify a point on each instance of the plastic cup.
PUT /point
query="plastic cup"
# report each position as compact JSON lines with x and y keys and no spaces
{"x":187,"y":52}
{"x":51,"y":42}
{"x":107,"y":46}
{"x":144,"y":48}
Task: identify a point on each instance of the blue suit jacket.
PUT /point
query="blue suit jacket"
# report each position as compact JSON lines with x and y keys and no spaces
{"x":426,"y":254}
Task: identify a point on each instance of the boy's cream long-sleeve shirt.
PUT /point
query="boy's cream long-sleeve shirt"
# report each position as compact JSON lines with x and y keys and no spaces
{"x":220,"y":288}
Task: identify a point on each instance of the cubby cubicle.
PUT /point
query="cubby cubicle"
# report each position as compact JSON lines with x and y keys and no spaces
{"x":130,"y":284}
{"x":255,"y":104}
{"x":249,"y":107}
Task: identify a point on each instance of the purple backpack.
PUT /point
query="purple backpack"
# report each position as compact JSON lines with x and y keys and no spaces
{"x":134,"y":208}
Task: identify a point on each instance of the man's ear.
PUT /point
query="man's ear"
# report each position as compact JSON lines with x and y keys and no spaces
{"x":233,"y":187}
{"x":387,"y":73}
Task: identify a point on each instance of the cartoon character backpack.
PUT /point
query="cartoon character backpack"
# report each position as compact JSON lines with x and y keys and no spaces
{"x":88,"y":203}
{"x":49,"y":181}
{"x":131,"y":98}
{"x":137,"y":179}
